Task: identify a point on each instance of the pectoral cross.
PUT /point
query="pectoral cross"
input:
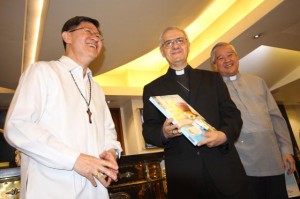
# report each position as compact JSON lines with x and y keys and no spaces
{"x":89,"y":114}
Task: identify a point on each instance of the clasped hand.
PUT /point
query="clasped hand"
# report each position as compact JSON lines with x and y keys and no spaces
{"x":104,"y":168}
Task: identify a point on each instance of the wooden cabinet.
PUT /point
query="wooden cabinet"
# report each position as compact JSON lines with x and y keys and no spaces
{"x":140,"y":176}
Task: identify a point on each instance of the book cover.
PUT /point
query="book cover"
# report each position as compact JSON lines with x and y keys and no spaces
{"x":190,"y":122}
{"x":291,"y":185}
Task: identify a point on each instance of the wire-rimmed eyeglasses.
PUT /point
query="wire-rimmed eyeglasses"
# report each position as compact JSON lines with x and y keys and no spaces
{"x":179,"y":41}
{"x":89,"y":32}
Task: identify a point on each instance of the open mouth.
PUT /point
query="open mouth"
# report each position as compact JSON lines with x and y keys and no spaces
{"x":228,"y":65}
{"x":93,"y":45}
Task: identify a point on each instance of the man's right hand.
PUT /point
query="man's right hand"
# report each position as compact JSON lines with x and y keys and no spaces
{"x":169,"y":129}
{"x":92,"y":167}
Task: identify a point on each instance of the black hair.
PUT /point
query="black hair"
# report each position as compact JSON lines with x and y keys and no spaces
{"x":75,"y":21}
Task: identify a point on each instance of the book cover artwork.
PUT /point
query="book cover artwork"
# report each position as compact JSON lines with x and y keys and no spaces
{"x":191,"y":123}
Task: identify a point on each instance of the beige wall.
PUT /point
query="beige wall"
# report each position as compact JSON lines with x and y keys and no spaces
{"x":132,"y":128}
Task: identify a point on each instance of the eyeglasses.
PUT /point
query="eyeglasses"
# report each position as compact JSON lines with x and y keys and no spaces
{"x":89,"y":32}
{"x":179,"y":41}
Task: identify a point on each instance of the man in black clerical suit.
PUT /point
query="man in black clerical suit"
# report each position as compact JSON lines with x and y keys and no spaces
{"x":212,"y":169}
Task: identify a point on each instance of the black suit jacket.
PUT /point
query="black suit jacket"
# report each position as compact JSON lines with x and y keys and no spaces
{"x":184,"y":161}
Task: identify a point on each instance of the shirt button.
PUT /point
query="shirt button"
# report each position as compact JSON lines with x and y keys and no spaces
{"x":198,"y":153}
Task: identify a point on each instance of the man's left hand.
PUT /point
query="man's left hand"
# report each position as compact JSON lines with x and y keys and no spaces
{"x":289,"y":163}
{"x":213,"y":139}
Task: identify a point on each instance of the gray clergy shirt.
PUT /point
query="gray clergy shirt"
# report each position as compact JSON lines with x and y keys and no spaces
{"x":264,"y":136}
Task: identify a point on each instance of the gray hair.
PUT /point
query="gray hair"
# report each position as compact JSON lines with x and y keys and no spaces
{"x":161,"y":40}
{"x":214,"y":49}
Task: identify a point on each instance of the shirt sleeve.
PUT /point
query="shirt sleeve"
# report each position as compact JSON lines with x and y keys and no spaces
{"x":279,"y":124}
{"x":111,"y":141}
{"x":110,"y":133}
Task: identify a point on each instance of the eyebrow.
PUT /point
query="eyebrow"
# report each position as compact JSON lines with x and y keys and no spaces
{"x":175,"y":38}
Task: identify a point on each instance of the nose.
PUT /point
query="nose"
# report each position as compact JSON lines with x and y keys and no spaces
{"x":175,"y":44}
{"x":95,"y":37}
{"x":226,"y":59}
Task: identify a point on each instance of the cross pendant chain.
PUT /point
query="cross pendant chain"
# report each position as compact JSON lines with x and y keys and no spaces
{"x":188,"y":90}
{"x":89,"y":114}
{"x":87,"y":102}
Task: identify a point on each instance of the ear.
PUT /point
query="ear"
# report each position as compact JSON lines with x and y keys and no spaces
{"x":66,"y":36}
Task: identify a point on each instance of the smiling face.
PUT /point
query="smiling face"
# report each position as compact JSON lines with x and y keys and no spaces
{"x":175,"y":48}
{"x":226,"y":63}
{"x":83,"y":43}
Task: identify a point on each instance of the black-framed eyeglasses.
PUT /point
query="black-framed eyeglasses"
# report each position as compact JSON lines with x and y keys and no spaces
{"x":89,"y":32}
{"x":179,"y":41}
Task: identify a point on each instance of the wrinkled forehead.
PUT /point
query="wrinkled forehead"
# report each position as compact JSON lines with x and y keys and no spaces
{"x":172,"y":34}
{"x":224,"y":50}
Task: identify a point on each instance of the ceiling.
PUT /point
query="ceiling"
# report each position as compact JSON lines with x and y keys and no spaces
{"x":131,"y":29}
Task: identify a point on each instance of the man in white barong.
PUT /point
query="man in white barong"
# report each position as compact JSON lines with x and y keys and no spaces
{"x":60,"y":122}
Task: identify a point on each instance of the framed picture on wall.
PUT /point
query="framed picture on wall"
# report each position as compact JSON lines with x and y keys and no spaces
{"x":147,"y":145}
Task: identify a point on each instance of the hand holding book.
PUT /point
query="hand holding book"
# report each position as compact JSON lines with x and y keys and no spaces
{"x":213,"y":139}
{"x":189,"y":121}
{"x":170,"y":130}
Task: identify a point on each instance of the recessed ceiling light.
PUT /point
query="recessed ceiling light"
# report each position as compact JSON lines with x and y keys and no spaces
{"x":257,"y":36}
{"x":108,"y":101}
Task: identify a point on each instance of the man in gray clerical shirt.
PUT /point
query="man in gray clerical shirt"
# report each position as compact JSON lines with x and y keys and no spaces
{"x":264,"y":144}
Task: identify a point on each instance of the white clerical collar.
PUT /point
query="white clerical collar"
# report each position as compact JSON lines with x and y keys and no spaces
{"x":179,"y":72}
{"x":232,"y":78}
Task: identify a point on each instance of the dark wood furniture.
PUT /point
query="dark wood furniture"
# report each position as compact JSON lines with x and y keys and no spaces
{"x":140,"y":176}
